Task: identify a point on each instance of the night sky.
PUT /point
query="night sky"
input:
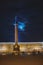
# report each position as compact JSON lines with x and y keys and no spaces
{"x":29,"y":12}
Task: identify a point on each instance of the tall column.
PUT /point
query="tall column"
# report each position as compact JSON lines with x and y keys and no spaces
{"x":16,"y":33}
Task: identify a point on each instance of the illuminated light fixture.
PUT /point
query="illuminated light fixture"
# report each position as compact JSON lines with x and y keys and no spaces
{"x":37,"y":48}
{"x":23,"y":49}
{"x":21,"y":26}
{"x":3,"y":48}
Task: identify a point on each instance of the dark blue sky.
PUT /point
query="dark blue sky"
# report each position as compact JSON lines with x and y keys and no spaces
{"x":31,"y":11}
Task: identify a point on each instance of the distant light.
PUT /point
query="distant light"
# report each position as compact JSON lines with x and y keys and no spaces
{"x":3,"y":48}
{"x":23,"y":49}
{"x":21,"y":26}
